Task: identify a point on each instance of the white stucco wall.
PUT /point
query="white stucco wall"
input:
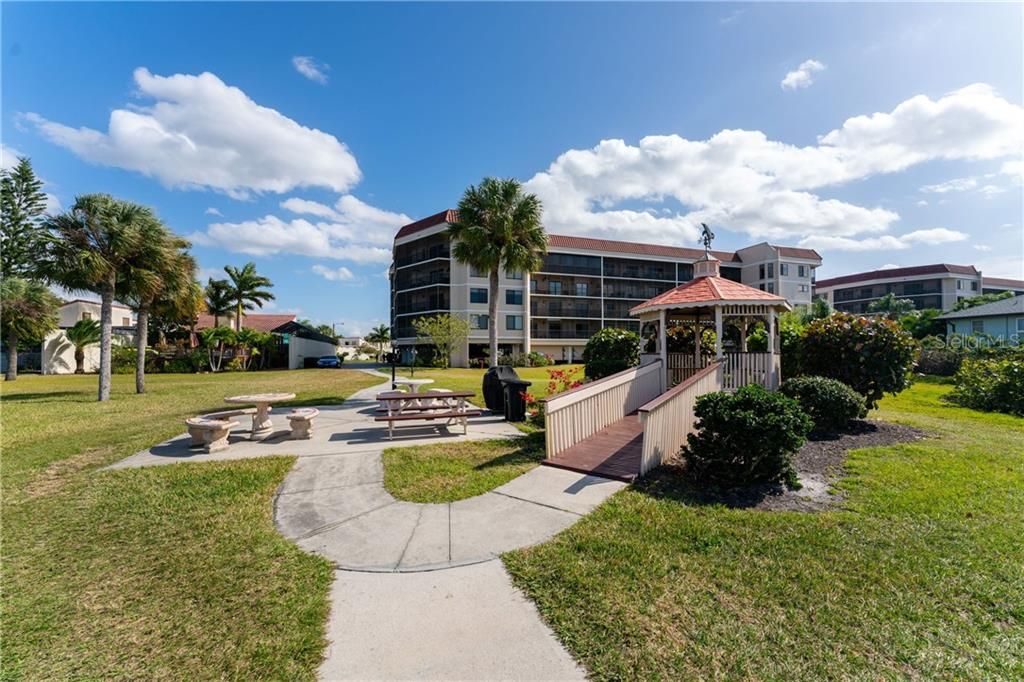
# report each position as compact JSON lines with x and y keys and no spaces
{"x":58,"y":356}
{"x":299,"y":349}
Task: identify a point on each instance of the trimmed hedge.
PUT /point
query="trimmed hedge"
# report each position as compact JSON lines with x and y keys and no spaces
{"x":611,"y":350}
{"x":994,"y":384}
{"x":830,"y":404}
{"x":745,"y":438}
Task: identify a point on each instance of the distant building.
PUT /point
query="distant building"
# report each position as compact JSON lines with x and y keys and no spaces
{"x":57,"y":354}
{"x":1000,"y":319}
{"x":297,"y":344}
{"x":584,"y":284}
{"x":939,"y":286}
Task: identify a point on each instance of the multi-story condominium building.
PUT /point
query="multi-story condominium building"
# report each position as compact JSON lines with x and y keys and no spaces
{"x":939,"y":285}
{"x":585,"y":284}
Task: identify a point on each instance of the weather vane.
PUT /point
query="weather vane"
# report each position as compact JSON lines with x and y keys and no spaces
{"x":706,"y":236}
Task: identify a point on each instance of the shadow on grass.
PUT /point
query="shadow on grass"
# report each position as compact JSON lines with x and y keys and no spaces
{"x":49,"y":396}
{"x":531,"y":449}
{"x":668,"y":482}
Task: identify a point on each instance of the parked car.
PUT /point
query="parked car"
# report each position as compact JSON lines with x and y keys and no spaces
{"x":329,"y":361}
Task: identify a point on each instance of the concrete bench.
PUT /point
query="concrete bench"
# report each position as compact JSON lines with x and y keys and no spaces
{"x":301,"y":420}
{"x":209,"y":434}
{"x":450,"y":415}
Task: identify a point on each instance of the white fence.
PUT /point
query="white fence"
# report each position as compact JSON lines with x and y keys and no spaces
{"x":574,"y":415}
{"x":668,"y":419}
{"x":738,"y":369}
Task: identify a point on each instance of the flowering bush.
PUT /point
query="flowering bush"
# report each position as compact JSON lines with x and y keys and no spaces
{"x":559,"y":381}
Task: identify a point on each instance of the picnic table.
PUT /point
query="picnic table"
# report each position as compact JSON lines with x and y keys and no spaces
{"x":413,"y":384}
{"x":261,"y":425}
{"x":398,"y":406}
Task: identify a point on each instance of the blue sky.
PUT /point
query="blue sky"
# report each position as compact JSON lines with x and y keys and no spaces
{"x":630,"y":121}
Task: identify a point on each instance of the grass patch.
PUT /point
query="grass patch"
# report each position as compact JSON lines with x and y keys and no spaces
{"x":455,"y":471}
{"x":170,"y":571}
{"x":919,"y":575}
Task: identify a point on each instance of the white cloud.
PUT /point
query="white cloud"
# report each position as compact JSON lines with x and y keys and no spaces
{"x":213,"y":211}
{"x":982,"y":247}
{"x":352,"y":219}
{"x":745,"y":182}
{"x":202,"y":133}
{"x":803,"y":76}
{"x":938,"y":235}
{"x":922,"y":202}
{"x":890,"y":266}
{"x":1015,"y":169}
{"x":731,"y":17}
{"x":991,"y":190}
{"x":8,"y":157}
{"x":311,"y":69}
{"x":954,"y":185}
{"x":341,"y":274}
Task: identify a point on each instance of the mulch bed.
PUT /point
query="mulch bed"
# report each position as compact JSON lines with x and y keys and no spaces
{"x":819,"y":464}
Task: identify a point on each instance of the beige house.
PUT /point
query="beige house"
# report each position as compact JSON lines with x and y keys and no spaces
{"x":58,"y":354}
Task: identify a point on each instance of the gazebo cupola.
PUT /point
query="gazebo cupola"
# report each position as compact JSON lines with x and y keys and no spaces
{"x":709,"y":299}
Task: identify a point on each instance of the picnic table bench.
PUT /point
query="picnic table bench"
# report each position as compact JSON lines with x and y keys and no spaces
{"x":398,"y":406}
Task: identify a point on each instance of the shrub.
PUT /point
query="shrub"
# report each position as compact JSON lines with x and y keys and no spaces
{"x":829,"y":403}
{"x":873,"y":356}
{"x":791,"y":328}
{"x":745,"y":437}
{"x":611,"y":350}
{"x":941,"y":362}
{"x":122,"y":359}
{"x":993,"y":384}
{"x":535,"y":359}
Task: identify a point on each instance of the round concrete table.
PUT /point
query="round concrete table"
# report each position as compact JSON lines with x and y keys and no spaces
{"x":261,"y":425}
{"x":413,"y":384}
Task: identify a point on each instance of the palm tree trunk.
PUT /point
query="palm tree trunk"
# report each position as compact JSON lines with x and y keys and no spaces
{"x":216,"y":321}
{"x":492,"y":316}
{"x":79,"y":360}
{"x":238,"y":317}
{"x":141,"y":341}
{"x":106,"y":337}
{"x":12,"y":357}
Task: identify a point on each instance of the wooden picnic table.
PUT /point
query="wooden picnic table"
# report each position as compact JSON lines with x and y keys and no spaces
{"x":427,"y":405}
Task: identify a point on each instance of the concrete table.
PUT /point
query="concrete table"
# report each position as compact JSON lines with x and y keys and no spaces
{"x":413,"y":384}
{"x":261,"y":425}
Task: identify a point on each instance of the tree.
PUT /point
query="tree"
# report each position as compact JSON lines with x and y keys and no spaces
{"x":871,"y":355}
{"x":922,"y":323}
{"x":161,"y":269}
{"x":176,"y":313}
{"x":892,"y":307}
{"x":818,"y":310}
{"x":28,"y":310}
{"x":499,"y":226}
{"x":22,"y":203}
{"x":216,"y":340}
{"x":250,"y":344}
{"x":379,"y":336}
{"x":83,"y":333}
{"x":444,"y":332}
{"x":88,"y":249}
{"x":611,"y":350}
{"x":218,"y":299}
{"x":248,"y":290}
{"x":975,"y":301}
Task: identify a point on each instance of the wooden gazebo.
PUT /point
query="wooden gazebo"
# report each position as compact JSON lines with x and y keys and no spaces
{"x":710,"y":300}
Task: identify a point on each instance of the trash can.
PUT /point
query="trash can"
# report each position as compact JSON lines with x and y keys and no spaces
{"x":515,"y":403}
{"x":494,"y":392}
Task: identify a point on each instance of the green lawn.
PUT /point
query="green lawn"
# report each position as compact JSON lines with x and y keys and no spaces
{"x":921,"y":574}
{"x":459,"y":379}
{"x":454,"y":471}
{"x":173,"y":571}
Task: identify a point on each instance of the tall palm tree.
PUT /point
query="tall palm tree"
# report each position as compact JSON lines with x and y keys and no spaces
{"x":217,"y":339}
{"x":378,"y":336}
{"x":248,"y":290}
{"x":162,"y":269}
{"x":88,"y":247}
{"x":28,"y":310}
{"x":82,"y":334}
{"x":218,"y":299}
{"x":499,"y":226}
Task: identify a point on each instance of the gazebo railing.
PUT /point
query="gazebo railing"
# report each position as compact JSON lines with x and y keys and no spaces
{"x":738,"y":369}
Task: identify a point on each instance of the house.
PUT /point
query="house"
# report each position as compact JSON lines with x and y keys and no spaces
{"x":57,"y":354}
{"x":1003,"y":320}
{"x":939,"y":285}
{"x":584,"y":285}
{"x":297,"y":344}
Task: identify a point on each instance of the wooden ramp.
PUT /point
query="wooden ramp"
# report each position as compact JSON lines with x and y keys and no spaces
{"x":613,"y":452}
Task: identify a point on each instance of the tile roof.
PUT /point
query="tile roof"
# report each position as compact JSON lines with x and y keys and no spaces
{"x":259,"y":321}
{"x":446,"y":216}
{"x":1007,"y":306}
{"x":705,"y":290}
{"x":1002,"y":282}
{"x":913,"y":271}
{"x":796,"y":252}
{"x":593,"y":244}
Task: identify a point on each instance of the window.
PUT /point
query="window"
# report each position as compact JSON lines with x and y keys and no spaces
{"x":86,"y":315}
{"x":959,"y":284}
{"x":513,"y":322}
{"x":513,"y":296}
{"x":974,"y":285}
{"x":801,"y":270}
{"x":1020,"y":324}
{"x":760,"y":271}
{"x":771,"y":270}
{"x":555,"y":287}
{"x":533,"y":286}
{"x":513,"y":275}
{"x":803,"y":288}
{"x":475,"y":272}
{"x":582,"y":288}
{"x":126,"y":321}
{"x":784,"y":269}
{"x":478,"y":321}
{"x":771,"y":287}
{"x":759,"y":286}
{"x":977,"y":326}
{"x":478,"y":295}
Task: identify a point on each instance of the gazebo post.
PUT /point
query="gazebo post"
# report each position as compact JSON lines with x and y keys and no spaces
{"x":663,"y":347}
{"x":743,"y":334}
{"x":718,"y":333}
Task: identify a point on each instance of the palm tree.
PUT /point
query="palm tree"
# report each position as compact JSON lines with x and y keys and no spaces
{"x":28,"y":310}
{"x":88,"y":248}
{"x":378,"y":336}
{"x":499,"y":226}
{"x":248,"y":290}
{"x":83,"y":333}
{"x":218,"y":299}
{"x":217,"y":339}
